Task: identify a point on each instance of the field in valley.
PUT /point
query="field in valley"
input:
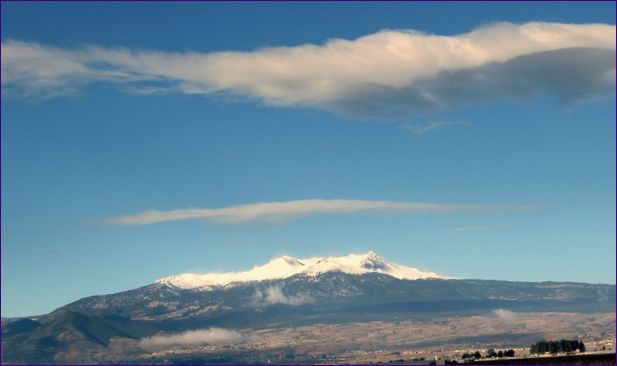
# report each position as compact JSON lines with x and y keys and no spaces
{"x":405,"y":339}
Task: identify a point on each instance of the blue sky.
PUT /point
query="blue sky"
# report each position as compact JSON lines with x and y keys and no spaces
{"x":83,"y":147}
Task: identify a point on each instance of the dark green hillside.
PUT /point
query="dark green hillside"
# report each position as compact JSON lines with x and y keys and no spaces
{"x":68,"y":327}
{"x":336,"y":290}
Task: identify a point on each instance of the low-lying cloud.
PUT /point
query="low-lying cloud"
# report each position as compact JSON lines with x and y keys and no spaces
{"x":281,"y":211}
{"x":505,"y":315}
{"x":388,"y":73}
{"x":215,"y":336}
{"x":274,"y":295}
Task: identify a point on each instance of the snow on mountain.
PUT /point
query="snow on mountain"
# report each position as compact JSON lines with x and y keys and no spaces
{"x":287,"y":266}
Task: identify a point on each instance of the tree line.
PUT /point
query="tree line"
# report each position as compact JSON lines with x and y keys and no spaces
{"x":491,"y":353}
{"x":553,"y":347}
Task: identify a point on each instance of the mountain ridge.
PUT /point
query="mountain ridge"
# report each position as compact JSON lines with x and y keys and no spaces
{"x":91,"y":329}
{"x":99,"y":328}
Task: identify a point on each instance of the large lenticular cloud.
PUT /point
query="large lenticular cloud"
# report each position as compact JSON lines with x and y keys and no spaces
{"x":385,"y":73}
{"x":286,"y":210}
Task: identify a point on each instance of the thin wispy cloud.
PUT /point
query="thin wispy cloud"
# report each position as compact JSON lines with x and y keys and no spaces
{"x":281,"y":211}
{"x":466,"y":229}
{"x":391,"y":72}
{"x":421,"y":129}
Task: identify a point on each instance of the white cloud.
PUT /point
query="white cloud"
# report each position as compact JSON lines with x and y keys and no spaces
{"x":278,"y":211}
{"x":477,"y":228}
{"x":505,"y":315}
{"x":215,"y":336}
{"x":421,"y":129}
{"x":274,"y":295}
{"x":385,"y":73}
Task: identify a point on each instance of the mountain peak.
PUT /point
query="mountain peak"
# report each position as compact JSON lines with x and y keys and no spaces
{"x":372,"y":256}
{"x":292,"y":261}
{"x":287,"y":266}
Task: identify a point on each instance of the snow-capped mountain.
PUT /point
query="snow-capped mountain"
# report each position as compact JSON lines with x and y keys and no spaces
{"x":286,"y":266}
{"x":285,"y":292}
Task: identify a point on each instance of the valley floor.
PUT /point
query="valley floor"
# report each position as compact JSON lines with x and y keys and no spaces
{"x":405,"y":339}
